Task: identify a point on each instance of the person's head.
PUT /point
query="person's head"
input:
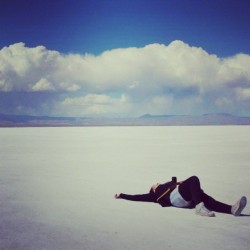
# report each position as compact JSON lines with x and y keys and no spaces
{"x":153,"y":188}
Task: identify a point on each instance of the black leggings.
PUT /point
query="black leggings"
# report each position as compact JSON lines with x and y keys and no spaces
{"x":190,"y":190}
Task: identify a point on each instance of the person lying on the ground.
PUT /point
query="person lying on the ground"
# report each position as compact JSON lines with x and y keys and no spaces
{"x":186,"y":194}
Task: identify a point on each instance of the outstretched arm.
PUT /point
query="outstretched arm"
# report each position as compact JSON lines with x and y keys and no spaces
{"x":137,"y":197}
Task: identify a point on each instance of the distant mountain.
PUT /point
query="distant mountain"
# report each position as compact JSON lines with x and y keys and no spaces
{"x":206,"y":119}
{"x":26,"y":120}
{"x":157,"y":116}
{"x":145,"y":120}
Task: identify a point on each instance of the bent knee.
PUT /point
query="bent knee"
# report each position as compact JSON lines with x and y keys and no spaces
{"x":194,"y":178}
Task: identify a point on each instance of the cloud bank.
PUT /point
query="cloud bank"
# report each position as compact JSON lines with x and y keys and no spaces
{"x":158,"y":79}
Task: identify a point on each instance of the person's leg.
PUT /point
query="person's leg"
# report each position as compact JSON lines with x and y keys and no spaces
{"x":191,"y":190}
{"x":215,"y":205}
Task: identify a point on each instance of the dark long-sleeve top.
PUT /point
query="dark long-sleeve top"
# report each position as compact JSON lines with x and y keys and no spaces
{"x":149,"y":197}
{"x":156,"y":197}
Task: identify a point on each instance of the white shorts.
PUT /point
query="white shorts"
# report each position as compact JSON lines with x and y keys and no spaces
{"x":177,"y":200}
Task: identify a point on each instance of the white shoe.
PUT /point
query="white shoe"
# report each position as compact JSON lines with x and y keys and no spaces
{"x":200,"y":209}
{"x":239,"y":206}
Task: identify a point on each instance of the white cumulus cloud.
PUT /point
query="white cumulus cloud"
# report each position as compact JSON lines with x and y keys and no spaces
{"x":156,"y":78}
{"x":43,"y":85}
{"x":94,"y":104}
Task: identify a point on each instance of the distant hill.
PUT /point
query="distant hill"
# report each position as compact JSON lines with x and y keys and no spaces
{"x":206,"y":119}
{"x":26,"y":120}
{"x":145,"y":120}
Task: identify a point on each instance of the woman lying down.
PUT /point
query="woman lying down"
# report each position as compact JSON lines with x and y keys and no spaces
{"x":186,"y":194}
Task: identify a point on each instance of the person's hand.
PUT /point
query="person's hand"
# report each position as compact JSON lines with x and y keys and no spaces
{"x":117,"y":196}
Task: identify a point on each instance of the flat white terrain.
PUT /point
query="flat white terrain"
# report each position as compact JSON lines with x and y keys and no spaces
{"x":57,"y":187}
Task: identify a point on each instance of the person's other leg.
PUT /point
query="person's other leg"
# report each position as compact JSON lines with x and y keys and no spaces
{"x":220,"y":207}
{"x":215,"y":205}
{"x":191,"y":190}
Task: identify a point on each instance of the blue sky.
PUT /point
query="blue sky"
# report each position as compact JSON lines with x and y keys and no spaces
{"x":51,"y":53}
{"x":218,"y":26}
